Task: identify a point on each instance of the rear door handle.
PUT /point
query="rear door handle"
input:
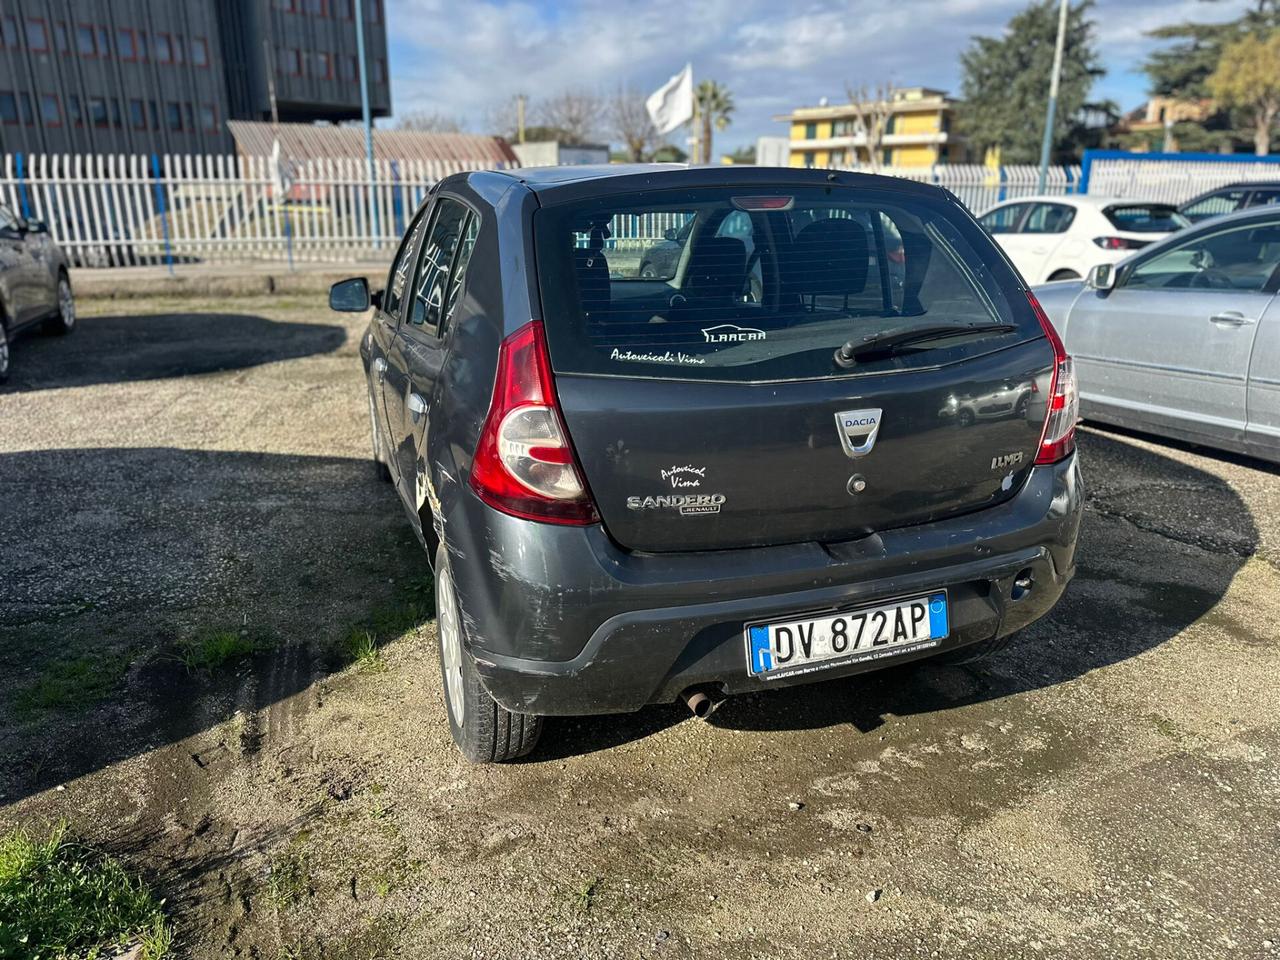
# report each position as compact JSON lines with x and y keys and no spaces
{"x":380,"y":367}
{"x":417,"y":405}
{"x":1231,"y":318}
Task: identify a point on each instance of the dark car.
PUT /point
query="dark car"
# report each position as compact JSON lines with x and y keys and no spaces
{"x":35,"y":287}
{"x":1232,"y":197}
{"x":638,"y":490}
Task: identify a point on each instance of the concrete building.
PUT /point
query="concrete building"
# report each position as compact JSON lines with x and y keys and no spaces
{"x":160,"y":76}
{"x":550,"y":153}
{"x":918,"y":132}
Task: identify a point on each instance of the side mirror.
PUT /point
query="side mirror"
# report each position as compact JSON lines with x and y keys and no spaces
{"x":1102,"y":277}
{"x":669,"y":233}
{"x":350,"y":296}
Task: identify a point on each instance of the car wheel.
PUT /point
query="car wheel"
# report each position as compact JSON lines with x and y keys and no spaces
{"x":484,"y":731}
{"x":1064,"y":275}
{"x":380,"y":467}
{"x":4,"y":351}
{"x":65,"y":320}
{"x":647,"y":271}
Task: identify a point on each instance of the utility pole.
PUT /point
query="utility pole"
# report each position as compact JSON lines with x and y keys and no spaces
{"x":1047,"y":143}
{"x":368,"y":122}
{"x":269,"y":60}
{"x":520,"y":105}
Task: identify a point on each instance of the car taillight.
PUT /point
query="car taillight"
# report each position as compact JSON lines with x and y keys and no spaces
{"x":1058,"y":439}
{"x":1119,"y":243}
{"x":524,"y":464}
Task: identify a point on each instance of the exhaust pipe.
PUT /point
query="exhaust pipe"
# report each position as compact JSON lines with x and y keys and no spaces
{"x":700,"y":703}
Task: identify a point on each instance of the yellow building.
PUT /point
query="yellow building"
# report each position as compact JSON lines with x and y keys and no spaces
{"x":918,"y":133}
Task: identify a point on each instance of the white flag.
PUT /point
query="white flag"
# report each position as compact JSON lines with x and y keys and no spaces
{"x":672,"y":103}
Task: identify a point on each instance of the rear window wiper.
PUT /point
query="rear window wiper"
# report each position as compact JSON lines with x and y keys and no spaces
{"x":886,"y":341}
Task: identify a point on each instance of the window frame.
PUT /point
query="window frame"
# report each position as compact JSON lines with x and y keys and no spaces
{"x":428,"y":332}
{"x":167,"y":57}
{"x":133,"y":44}
{"x":93,"y":40}
{"x":1017,"y":223}
{"x":200,"y":43}
{"x":420,"y":219}
{"x":44,"y":29}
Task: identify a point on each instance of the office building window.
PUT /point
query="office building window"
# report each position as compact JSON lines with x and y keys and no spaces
{"x":85,"y":45}
{"x":348,"y":69}
{"x":322,"y":66}
{"x":98,"y":111}
{"x":811,"y":131}
{"x":73,"y":111}
{"x":8,"y":32}
{"x":173,"y":115}
{"x":208,"y":118}
{"x":290,"y":61}
{"x":60,"y":39}
{"x":287,"y":6}
{"x":179,"y":50}
{"x":380,"y":72}
{"x":8,"y":107}
{"x":50,"y":112}
{"x":188,"y":116}
{"x":143,"y":53}
{"x":164,"y":48}
{"x":200,"y":51}
{"x":24,"y":107}
{"x":125,"y":44}
{"x":313,"y":7}
{"x":137,"y":115}
{"x":375,"y":11}
{"x":155,"y":114}
{"x":342,"y":9}
{"x":104,"y":42}
{"x":117,"y":119}
{"x":37,"y":34}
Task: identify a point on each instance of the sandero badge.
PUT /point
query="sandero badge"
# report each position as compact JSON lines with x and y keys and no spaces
{"x":858,"y":430}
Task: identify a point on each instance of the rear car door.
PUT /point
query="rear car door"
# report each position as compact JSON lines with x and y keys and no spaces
{"x":1170,"y":345}
{"x":1263,"y":432}
{"x":19,"y":269}
{"x":1004,"y":224}
{"x":421,"y":343}
{"x":386,"y":319}
{"x":1048,"y":246}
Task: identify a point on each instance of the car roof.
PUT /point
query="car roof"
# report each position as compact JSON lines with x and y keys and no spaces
{"x":625,"y":177}
{"x":1080,"y":200}
{"x":1246,"y":184}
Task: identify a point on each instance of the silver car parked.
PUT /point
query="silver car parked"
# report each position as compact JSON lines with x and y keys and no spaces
{"x":1183,"y":338}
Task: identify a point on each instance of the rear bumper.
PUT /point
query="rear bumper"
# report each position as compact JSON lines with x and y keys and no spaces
{"x":562,"y":622}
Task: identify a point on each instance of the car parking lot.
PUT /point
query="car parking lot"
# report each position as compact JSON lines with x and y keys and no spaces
{"x":218,"y":661}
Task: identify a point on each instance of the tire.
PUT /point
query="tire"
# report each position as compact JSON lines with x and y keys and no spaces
{"x":647,"y":271}
{"x":484,"y":731}
{"x":974,"y":652}
{"x":4,"y":351}
{"x":1063,"y":274}
{"x":64,"y":321}
{"x":380,"y":468}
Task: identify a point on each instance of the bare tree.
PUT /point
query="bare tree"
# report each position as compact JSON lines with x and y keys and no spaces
{"x":429,"y":121}
{"x":871,"y":112}
{"x":630,"y":123}
{"x":576,"y":114}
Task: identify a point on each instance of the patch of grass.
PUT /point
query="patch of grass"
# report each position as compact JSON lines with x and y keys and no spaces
{"x":290,"y":878}
{"x":78,"y":682}
{"x":361,"y":648}
{"x":211,"y":649}
{"x":584,"y":895}
{"x":61,"y":898}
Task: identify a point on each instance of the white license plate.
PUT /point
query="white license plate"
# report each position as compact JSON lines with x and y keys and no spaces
{"x":867,"y":633}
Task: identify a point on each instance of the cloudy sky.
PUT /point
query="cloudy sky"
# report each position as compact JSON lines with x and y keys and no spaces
{"x":463,"y":58}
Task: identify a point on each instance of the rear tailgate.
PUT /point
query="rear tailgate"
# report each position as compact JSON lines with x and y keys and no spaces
{"x":707,"y":410}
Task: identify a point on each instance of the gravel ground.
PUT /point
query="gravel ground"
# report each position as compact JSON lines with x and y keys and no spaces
{"x":1109,"y":787}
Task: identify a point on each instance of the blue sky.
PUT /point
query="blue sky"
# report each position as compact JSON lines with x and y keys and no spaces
{"x":464,"y":58}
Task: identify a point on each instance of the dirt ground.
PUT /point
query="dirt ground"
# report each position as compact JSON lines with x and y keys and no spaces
{"x":1110,"y":787}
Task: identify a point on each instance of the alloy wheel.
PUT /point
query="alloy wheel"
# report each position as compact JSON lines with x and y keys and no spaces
{"x":66,"y":304}
{"x":447,"y":622}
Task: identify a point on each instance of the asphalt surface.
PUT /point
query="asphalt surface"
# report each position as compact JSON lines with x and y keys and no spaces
{"x":1109,"y":787}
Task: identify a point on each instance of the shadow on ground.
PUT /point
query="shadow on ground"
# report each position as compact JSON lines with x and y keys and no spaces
{"x":121,"y":349}
{"x":112,"y":557}
{"x":1140,"y":581}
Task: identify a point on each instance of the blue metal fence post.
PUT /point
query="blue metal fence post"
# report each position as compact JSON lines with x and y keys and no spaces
{"x":23,"y":202}
{"x":158,"y":188}
{"x":397,"y":207}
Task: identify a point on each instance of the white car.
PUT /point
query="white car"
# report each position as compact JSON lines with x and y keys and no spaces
{"x":1062,"y":238}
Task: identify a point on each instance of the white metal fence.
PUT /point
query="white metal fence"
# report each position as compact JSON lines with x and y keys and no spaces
{"x":125,"y":210}
{"x":1170,"y":177}
{"x":979,"y":186}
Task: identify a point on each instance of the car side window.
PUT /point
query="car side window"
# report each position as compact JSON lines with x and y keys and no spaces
{"x":1263,"y":198}
{"x":1222,"y":202}
{"x":458,"y":275}
{"x":402,"y":266}
{"x":1003,"y":219}
{"x":430,"y":289}
{"x":1238,"y":258}
{"x":1049,"y":218}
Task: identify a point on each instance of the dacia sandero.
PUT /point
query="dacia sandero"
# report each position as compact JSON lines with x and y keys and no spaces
{"x":831,"y":432}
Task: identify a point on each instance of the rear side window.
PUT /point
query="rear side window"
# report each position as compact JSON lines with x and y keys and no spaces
{"x":1049,"y":218}
{"x":1003,"y":219}
{"x":1223,"y":202}
{"x":450,"y":225}
{"x":765,"y":284}
{"x":1146,"y":218}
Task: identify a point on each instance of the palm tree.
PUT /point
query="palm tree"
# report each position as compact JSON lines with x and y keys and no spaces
{"x":715,"y":107}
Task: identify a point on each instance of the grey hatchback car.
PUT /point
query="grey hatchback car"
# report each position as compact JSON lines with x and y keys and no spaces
{"x":744,"y":475}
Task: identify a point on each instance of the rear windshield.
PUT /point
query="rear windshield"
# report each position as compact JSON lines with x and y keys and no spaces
{"x":751,"y":284}
{"x":1146,"y":218}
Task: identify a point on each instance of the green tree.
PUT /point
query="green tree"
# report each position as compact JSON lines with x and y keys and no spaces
{"x":1248,"y":79}
{"x":1006,"y":84}
{"x":714,"y":104}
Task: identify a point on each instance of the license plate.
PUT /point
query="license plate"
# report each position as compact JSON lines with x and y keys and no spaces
{"x":867,"y":633}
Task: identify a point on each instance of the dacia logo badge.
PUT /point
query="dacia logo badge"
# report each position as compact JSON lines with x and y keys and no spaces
{"x":858,"y":429}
